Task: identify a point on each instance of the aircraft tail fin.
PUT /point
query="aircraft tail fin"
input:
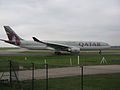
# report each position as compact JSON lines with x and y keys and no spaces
{"x":12,"y":36}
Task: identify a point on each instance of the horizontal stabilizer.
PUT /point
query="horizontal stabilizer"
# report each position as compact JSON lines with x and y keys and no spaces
{"x":2,"y":40}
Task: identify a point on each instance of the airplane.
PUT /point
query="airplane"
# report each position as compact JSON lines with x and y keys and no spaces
{"x":56,"y":46}
{"x":74,"y":46}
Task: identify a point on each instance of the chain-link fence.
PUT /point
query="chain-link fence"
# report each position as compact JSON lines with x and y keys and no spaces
{"x":32,"y":76}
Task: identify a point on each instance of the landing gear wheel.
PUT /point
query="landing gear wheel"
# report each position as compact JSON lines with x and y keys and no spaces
{"x":58,"y":53}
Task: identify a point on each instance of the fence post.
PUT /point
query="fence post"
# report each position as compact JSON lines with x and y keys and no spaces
{"x":46,"y":65}
{"x":10,"y":68}
{"x":82,"y":77}
{"x":33,"y":69}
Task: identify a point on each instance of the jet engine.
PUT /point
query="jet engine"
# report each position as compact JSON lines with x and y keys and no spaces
{"x":74,"y":50}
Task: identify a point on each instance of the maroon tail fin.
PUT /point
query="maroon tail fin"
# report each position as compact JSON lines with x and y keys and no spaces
{"x":12,"y":36}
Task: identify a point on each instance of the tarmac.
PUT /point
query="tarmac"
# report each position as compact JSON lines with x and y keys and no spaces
{"x":20,"y":52}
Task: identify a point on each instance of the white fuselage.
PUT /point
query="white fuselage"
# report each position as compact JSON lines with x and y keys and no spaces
{"x":32,"y":45}
{"x":84,"y":45}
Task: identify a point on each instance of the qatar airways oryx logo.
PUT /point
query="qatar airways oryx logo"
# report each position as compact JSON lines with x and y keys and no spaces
{"x":10,"y":35}
{"x":89,"y":44}
{"x":15,"y":40}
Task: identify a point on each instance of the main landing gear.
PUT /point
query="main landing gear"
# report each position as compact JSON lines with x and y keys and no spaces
{"x":57,"y":53}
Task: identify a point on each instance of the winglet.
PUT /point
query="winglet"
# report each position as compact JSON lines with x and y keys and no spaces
{"x":35,"y":39}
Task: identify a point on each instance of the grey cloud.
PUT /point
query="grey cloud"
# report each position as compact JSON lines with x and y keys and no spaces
{"x":63,"y":19}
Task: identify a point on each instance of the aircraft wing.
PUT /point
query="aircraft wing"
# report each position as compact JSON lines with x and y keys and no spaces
{"x":53,"y":45}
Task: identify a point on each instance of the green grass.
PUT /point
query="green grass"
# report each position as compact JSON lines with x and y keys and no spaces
{"x":8,"y":48}
{"x":63,"y":60}
{"x":91,"y":82}
{"x":104,"y":82}
{"x":6,"y":87}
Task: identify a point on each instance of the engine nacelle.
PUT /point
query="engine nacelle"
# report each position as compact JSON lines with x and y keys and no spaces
{"x":74,"y":50}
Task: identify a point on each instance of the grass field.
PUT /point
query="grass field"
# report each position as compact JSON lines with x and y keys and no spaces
{"x":6,"y":87}
{"x":9,"y":48}
{"x":84,"y":59}
{"x":63,"y":59}
{"x":57,"y":61}
{"x":91,"y":82}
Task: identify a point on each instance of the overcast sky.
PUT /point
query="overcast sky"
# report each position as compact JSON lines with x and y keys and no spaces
{"x":63,"y":20}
